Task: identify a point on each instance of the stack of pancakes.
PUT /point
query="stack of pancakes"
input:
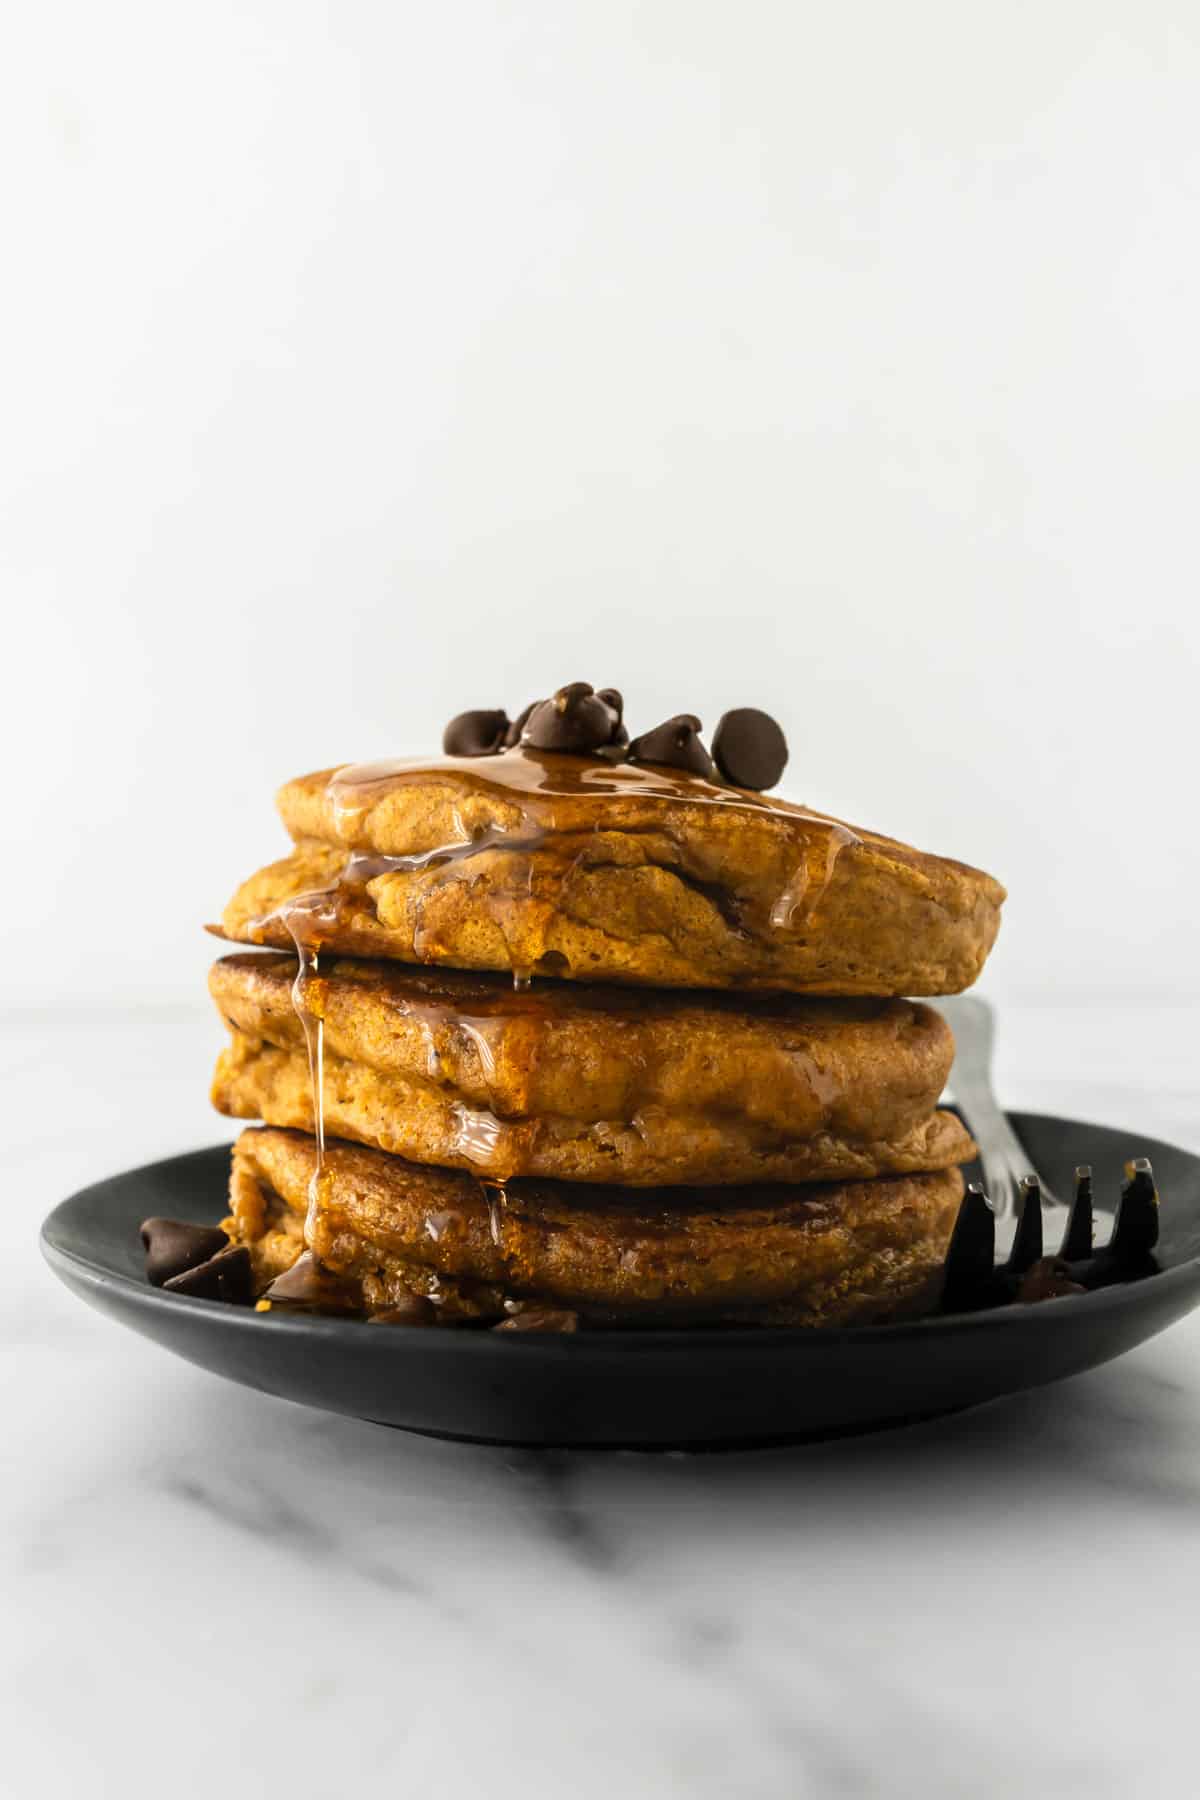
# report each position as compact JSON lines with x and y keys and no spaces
{"x":542,"y":1039}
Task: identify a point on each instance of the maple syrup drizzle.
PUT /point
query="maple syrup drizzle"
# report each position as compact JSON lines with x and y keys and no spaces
{"x":356,"y":789}
{"x":801,"y":897}
{"x":312,"y":1024}
{"x":567,"y":789}
{"x":477,"y":1030}
{"x":495,"y":1194}
{"x":478,"y":1134}
{"x":364,"y":865}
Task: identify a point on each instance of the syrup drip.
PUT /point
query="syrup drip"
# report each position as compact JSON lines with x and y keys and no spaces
{"x":496,"y":1195}
{"x":801,"y":897}
{"x":357,"y":788}
{"x":477,"y":1134}
{"x":439,"y":1224}
{"x":476,"y":1030}
{"x":304,"y":917}
{"x":308,"y":959}
{"x":364,"y":866}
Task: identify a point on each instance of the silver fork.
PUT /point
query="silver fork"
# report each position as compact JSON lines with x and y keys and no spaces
{"x":1006,"y":1163}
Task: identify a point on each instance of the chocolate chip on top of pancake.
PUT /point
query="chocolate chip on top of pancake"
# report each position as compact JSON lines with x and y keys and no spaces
{"x":749,"y":748}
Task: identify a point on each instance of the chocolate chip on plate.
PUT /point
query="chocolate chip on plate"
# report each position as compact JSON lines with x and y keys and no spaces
{"x":676,"y":745}
{"x":226,"y":1276}
{"x":540,"y":1318}
{"x":173,"y":1246}
{"x":306,"y":1283}
{"x":412,"y":1309}
{"x":749,"y":748}
{"x":476,"y":734}
{"x":576,"y":721}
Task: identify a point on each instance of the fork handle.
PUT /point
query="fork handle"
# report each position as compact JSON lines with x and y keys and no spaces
{"x":1000,"y":1148}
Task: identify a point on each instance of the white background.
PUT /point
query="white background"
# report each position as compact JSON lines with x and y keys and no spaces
{"x":360,"y":362}
{"x":363,"y":362}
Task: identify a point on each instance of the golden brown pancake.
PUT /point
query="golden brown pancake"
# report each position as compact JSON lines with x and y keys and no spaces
{"x":569,"y":866}
{"x":825,"y":1254}
{"x":272,"y":1231}
{"x":588,"y":1083}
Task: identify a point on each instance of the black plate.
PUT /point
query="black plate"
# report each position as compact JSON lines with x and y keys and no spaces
{"x":638,"y":1389}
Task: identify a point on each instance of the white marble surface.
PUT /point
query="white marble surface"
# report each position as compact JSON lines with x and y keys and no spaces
{"x":208,"y":1591}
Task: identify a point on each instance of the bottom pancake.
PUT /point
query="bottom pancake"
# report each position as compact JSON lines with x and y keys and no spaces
{"x":831,"y":1253}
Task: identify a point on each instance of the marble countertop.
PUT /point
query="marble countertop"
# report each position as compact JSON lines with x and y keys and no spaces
{"x":209,"y":1591}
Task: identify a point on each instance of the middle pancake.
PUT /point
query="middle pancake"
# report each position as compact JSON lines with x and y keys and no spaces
{"x":643,"y":1089}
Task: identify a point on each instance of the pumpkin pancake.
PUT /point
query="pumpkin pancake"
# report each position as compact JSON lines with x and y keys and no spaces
{"x":825,"y":1254}
{"x":570,"y":866}
{"x":588,"y":1083}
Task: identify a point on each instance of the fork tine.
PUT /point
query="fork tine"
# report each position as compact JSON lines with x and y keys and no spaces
{"x":1027,"y":1243}
{"x":972,"y":1251}
{"x":1077,"y":1238}
{"x":999,"y":1184}
{"x":1135,"y":1232}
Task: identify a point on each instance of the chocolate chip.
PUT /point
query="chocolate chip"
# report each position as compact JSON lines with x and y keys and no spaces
{"x":513,"y":734}
{"x":476,"y":734}
{"x":749,"y":748}
{"x":306,"y":1283}
{"x":617,"y":750}
{"x":226,"y":1276}
{"x":676,"y":745}
{"x":173,"y":1246}
{"x":412,"y":1309}
{"x":576,"y":720}
{"x":540,"y":1318}
{"x":617,"y":747}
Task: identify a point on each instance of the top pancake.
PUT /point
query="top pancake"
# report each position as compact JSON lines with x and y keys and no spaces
{"x":542,"y":863}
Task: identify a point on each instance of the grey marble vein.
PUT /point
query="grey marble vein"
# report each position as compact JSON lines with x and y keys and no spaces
{"x":550,"y":1477}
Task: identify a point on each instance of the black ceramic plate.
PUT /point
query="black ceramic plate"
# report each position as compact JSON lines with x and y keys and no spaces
{"x":638,"y":1388}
